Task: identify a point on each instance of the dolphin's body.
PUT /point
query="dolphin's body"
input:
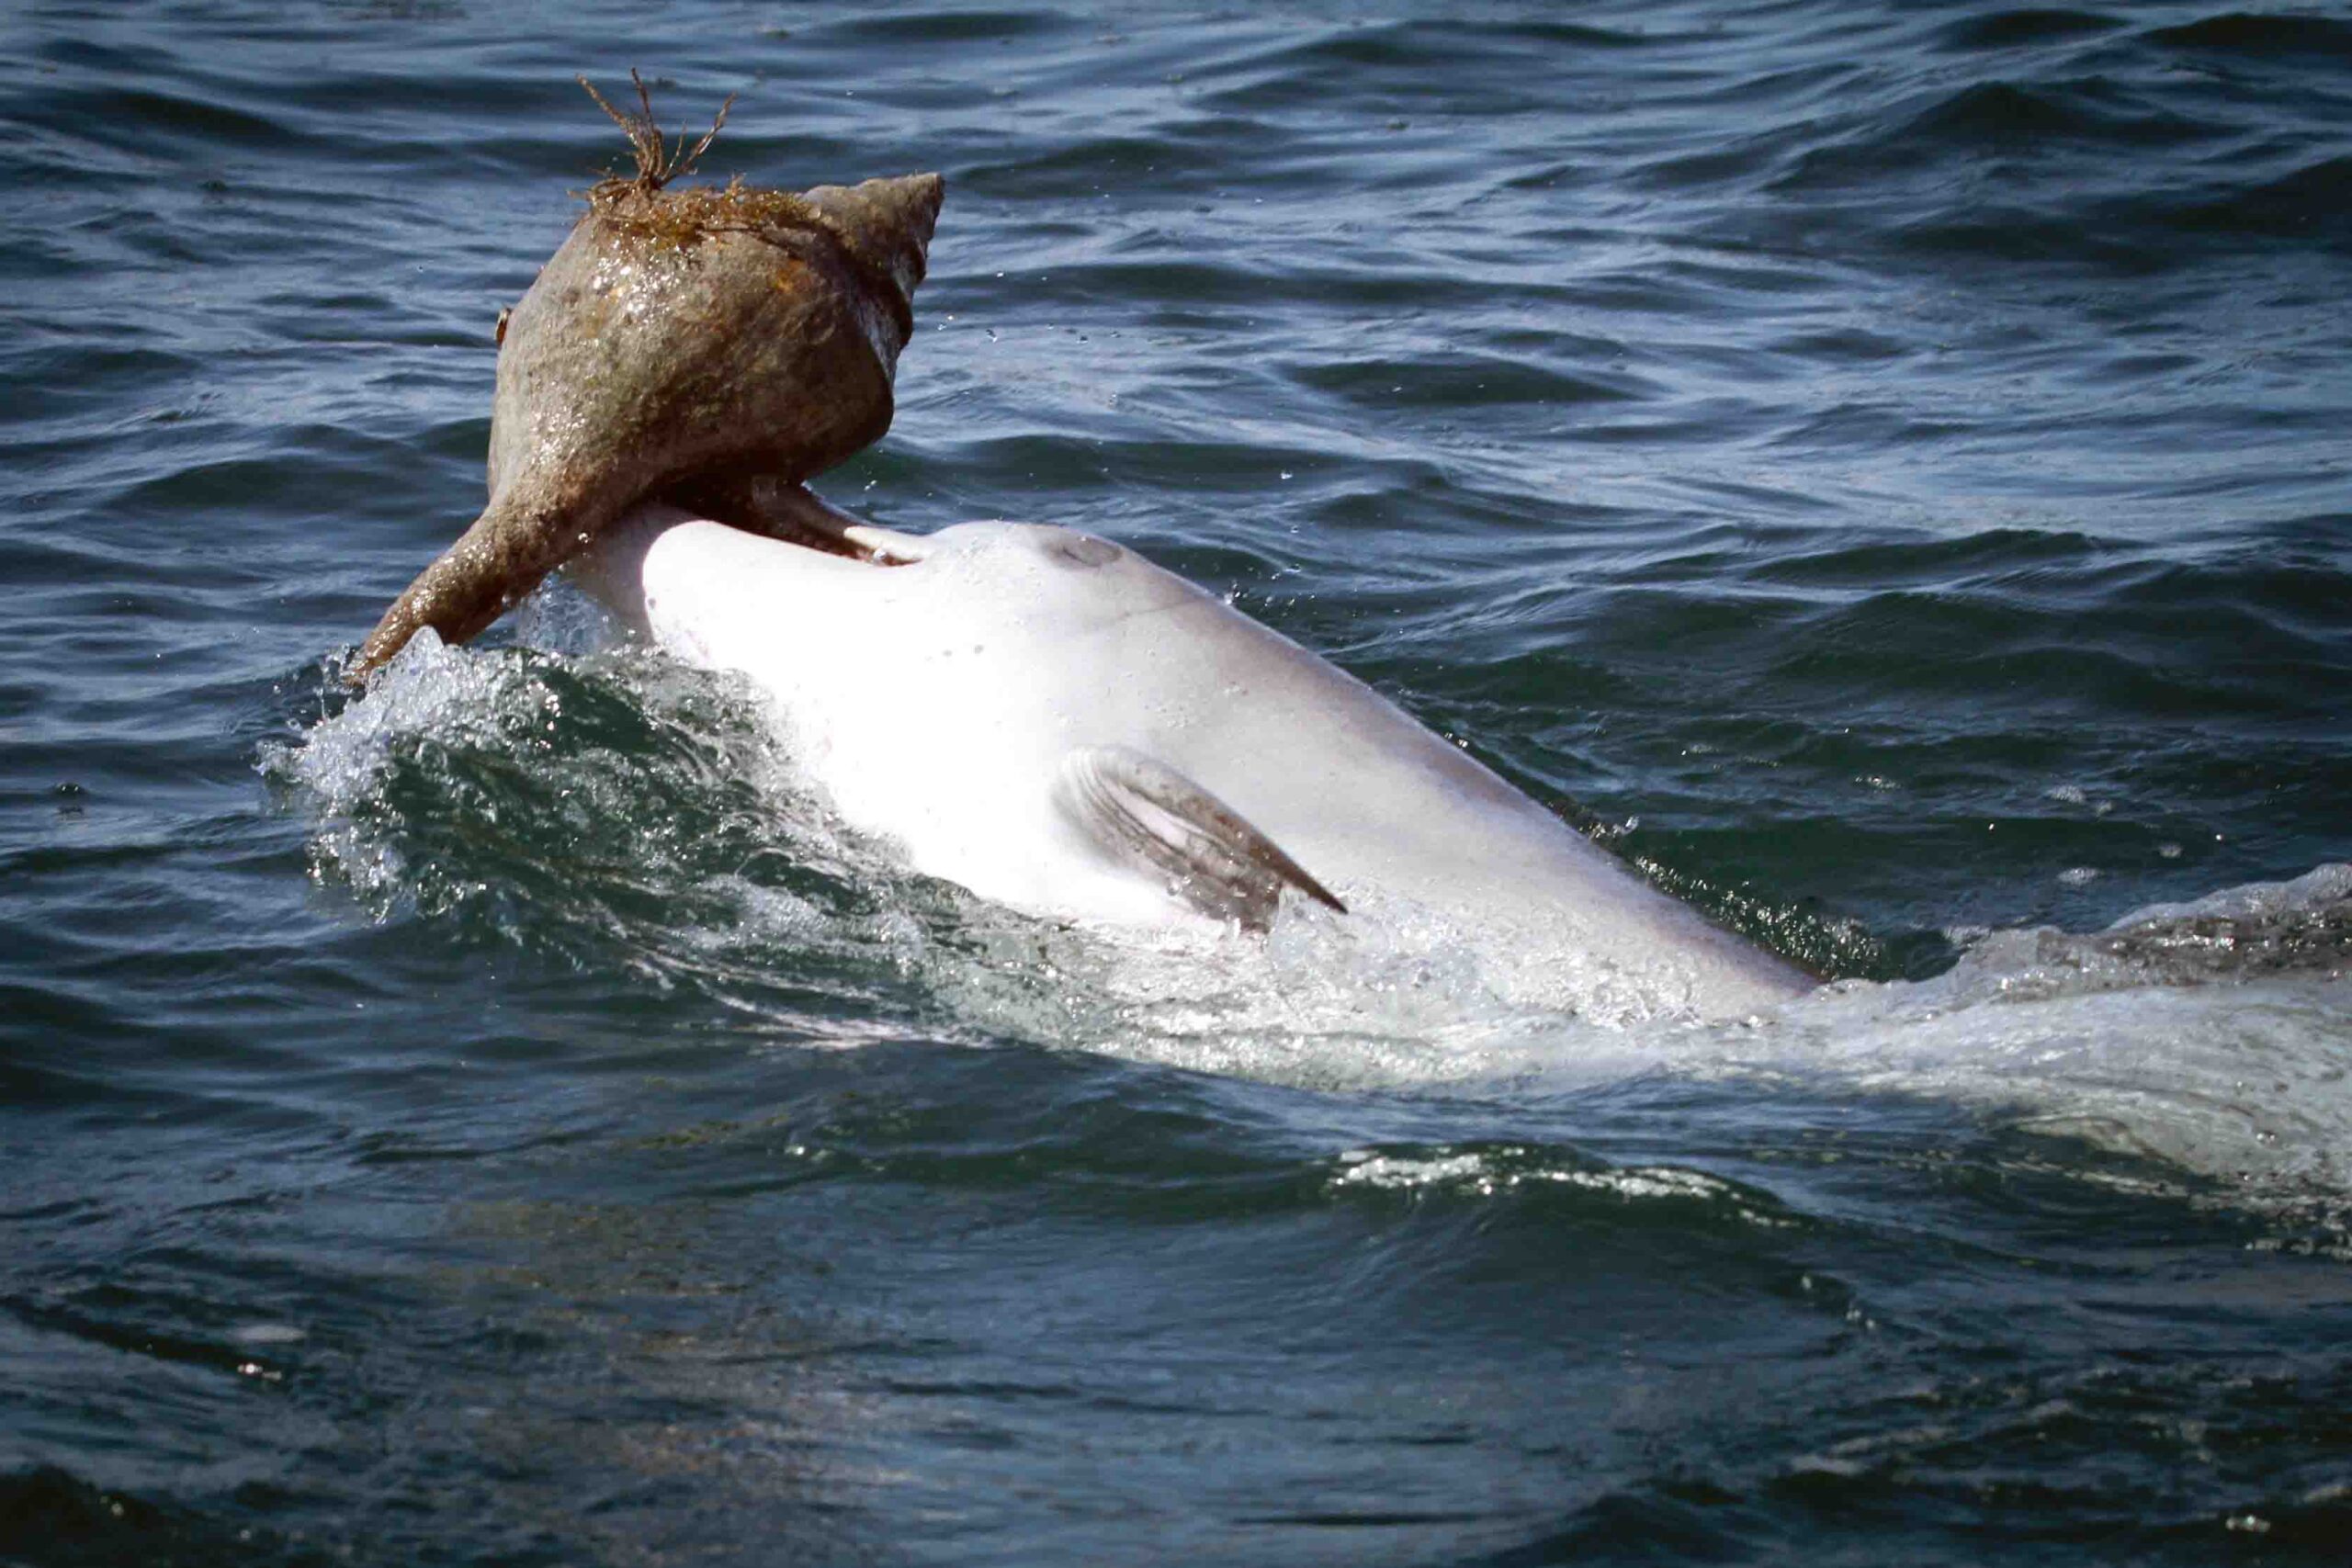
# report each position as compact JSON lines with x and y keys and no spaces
{"x":1056,"y":724}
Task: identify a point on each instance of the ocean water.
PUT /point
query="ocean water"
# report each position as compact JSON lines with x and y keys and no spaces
{"x":1880,"y":467}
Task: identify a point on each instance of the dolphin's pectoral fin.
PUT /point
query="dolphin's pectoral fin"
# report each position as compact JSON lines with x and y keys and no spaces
{"x":1139,"y":809}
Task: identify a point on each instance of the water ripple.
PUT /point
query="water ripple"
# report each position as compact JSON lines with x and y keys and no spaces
{"x":1878,"y":467}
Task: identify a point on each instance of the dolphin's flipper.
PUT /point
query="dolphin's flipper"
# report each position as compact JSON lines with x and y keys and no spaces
{"x":1138,"y":810}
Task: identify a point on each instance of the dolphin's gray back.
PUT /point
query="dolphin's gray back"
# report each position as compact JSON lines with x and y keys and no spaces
{"x":1363,"y":795}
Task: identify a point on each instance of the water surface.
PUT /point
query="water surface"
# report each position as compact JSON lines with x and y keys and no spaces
{"x":1882,"y":467}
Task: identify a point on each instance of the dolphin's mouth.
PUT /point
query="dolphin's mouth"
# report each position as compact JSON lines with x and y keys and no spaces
{"x":790,"y":515}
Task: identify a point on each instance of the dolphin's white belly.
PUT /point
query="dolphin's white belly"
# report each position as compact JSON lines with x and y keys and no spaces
{"x":938,"y":703}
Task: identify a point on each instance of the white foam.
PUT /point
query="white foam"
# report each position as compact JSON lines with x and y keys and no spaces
{"x":2241,"y":1082}
{"x":2141,"y":1046}
{"x":1485,"y":1173}
{"x":340,"y":763}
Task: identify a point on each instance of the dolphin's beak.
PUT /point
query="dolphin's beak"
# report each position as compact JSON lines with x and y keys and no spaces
{"x":778,"y":509}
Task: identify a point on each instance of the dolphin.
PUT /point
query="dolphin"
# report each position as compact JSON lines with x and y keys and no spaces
{"x":1055,"y":724}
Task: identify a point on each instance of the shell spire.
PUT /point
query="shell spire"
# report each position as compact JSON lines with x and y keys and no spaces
{"x":678,"y":336}
{"x":887,"y":225}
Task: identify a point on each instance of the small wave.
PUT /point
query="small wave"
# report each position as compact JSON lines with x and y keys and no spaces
{"x":1585,"y":35}
{"x":2004,"y":115}
{"x":1166,"y":161}
{"x":139,"y":120}
{"x":2024,"y":27}
{"x":1486,"y":1173}
{"x":2043,"y":123}
{"x":2285,"y":40}
{"x":2141,"y":231}
{"x":2324,"y":892}
{"x":2207,"y":1035}
{"x":54,"y":1507}
{"x":2313,"y":202}
{"x":2297,"y":928}
{"x":1460,"y":381}
{"x":948,"y":26}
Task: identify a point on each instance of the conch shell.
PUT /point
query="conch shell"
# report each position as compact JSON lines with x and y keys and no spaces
{"x":677,"y":338}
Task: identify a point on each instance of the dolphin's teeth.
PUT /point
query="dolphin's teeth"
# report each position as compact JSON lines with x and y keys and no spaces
{"x":887,"y":548}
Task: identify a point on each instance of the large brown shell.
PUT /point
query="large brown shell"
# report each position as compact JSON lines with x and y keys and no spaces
{"x":674,"y":336}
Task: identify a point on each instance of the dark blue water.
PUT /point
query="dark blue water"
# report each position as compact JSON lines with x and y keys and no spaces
{"x":1883,"y":467}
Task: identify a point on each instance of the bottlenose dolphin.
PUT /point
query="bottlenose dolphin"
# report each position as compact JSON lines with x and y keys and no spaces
{"x":1058,"y":725}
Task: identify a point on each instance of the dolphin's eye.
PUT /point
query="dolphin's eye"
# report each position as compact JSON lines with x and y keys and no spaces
{"x":498,"y":332}
{"x":1079,"y":549}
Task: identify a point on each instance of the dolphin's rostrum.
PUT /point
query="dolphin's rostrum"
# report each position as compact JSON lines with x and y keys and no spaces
{"x":678,"y":338}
